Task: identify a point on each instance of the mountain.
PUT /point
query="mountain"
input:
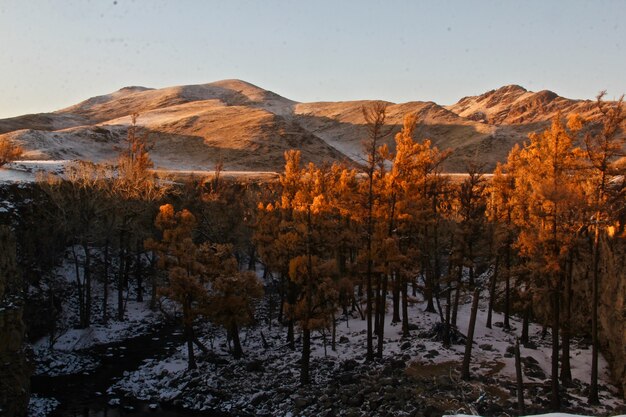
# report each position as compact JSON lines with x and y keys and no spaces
{"x":514,"y":105}
{"x":249,"y":128}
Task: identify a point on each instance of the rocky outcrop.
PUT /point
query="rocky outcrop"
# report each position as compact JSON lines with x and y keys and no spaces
{"x":15,"y":369}
{"x":612,"y":313}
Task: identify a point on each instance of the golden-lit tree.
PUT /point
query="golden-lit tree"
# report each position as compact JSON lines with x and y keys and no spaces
{"x":9,"y":151}
{"x":233,"y":293}
{"x":187,"y":267}
{"x":604,"y":143}
{"x":548,"y":199}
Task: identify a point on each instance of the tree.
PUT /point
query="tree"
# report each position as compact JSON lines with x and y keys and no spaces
{"x":135,"y":189}
{"x":79,"y":206}
{"x":230,"y":303}
{"x":603,"y":144}
{"x":9,"y":151}
{"x":375,"y":118}
{"x":548,"y":197}
{"x":186,"y":265}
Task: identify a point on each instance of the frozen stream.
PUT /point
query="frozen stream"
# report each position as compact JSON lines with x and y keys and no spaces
{"x":86,"y":395}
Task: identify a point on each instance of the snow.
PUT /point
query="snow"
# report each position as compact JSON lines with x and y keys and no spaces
{"x":69,"y":353}
{"x":238,"y":386}
{"x":41,"y":406}
{"x":26,"y":171}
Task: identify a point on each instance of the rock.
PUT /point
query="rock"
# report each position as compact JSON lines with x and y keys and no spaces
{"x":398,"y":364}
{"x":259,"y":398}
{"x":255,"y":366}
{"x":431,"y":354}
{"x":349,"y":365}
{"x":406,"y":345}
{"x":300,"y":402}
{"x":486,"y":346}
{"x":344,"y":339}
{"x":510,"y":352}
{"x":355,"y":400}
{"x":532,"y":369}
{"x":347,"y":378}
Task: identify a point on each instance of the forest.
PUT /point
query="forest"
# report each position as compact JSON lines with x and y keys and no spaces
{"x":540,"y":238}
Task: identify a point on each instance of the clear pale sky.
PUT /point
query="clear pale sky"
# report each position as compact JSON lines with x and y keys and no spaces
{"x":56,"y":53}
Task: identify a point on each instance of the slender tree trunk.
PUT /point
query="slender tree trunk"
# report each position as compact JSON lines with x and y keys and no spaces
{"x":80,"y":288}
{"x":120,"y":279}
{"x":377,"y":304}
{"x":526,"y":322}
{"x":520,"y":382}
{"x":139,"y":272}
{"x":188,"y":329}
{"x":492,"y":292}
{"x":381,"y":329}
{"x":467,"y":357}
{"x":396,"y":297}
{"x":333,"y":341}
{"x":457,"y":295}
{"x":281,"y":295}
{"x":405,"y":309}
{"x":566,"y":370}
{"x":507,"y":289}
{"x":237,"y":350}
{"x":291,"y":340}
{"x":87,"y":289}
{"x":153,"y":282}
{"x":446,"y":324}
{"x":555,"y":398}
{"x":593,"y":389}
{"x":105,"y":284}
{"x":305,"y":379}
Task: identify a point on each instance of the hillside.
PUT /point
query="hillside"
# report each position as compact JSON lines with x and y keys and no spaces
{"x":249,"y":128}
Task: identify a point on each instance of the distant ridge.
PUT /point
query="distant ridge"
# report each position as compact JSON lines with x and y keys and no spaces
{"x":249,"y":128}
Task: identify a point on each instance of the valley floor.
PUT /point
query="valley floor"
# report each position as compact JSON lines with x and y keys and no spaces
{"x":417,"y":375}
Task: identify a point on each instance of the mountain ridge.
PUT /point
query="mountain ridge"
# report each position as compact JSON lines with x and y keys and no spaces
{"x":249,"y":128}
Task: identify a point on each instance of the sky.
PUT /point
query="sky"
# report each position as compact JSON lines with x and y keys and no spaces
{"x":55,"y":53}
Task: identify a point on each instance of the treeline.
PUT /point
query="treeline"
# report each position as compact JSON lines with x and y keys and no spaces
{"x":345,"y":239}
{"x":335,"y":240}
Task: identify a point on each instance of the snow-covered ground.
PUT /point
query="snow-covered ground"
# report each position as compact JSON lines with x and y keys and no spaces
{"x":266,"y":380}
{"x":26,"y":171}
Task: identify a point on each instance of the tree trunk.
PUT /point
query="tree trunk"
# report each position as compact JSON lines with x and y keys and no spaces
{"x":566,"y":369}
{"x":87,"y":289}
{"x":120,"y":279}
{"x":188,"y":328}
{"x":80,"y":288}
{"x":507,"y":289}
{"x":465,"y":371}
{"x":139,"y":272}
{"x":381,"y":320}
{"x":333,"y":340}
{"x":555,"y":398}
{"x":520,"y":382}
{"x":405,"y":309}
{"x":526,"y":322}
{"x":593,"y":389}
{"x":492,"y":292}
{"x":237,"y":350}
{"x":306,"y":355}
{"x":291,"y":340}
{"x":457,"y":296}
{"x":105,"y":284}
{"x":396,"y":297}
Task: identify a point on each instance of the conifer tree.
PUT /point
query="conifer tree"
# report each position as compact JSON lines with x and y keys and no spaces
{"x":186,"y":265}
{"x":549,"y":184}
{"x":604,"y":143}
{"x":9,"y":152}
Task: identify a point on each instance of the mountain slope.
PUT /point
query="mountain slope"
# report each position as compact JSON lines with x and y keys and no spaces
{"x":249,"y":128}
